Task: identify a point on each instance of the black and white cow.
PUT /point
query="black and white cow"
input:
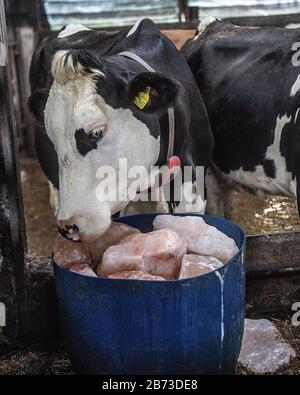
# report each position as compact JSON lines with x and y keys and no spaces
{"x":251,"y":89}
{"x":84,"y":94}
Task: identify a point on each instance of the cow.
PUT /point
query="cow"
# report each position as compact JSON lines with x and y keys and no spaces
{"x":251,"y":88}
{"x":101,"y":96}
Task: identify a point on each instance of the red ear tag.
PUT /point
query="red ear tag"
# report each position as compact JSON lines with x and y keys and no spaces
{"x":173,"y":161}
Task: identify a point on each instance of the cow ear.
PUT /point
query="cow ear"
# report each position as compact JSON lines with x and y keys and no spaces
{"x":152,"y":91}
{"x":37,"y":103}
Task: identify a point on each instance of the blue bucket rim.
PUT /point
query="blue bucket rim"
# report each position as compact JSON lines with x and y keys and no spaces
{"x":176,"y":281}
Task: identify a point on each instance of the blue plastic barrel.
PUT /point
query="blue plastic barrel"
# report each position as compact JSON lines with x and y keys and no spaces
{"x":189,"y":326}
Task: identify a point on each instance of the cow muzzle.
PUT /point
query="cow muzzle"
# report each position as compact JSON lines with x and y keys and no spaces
{"x":84,"y":226}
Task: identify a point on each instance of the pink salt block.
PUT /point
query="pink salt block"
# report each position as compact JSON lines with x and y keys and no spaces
{"x":84,"y":269}
{"x":159,"y":253}
{"x":196,"y":265}
{"x":115,"y":233}
{"x":67,"y":253}
{"x":136,"y":275}
{"x":201,"y":238}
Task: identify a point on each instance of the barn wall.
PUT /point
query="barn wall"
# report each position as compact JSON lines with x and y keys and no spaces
{"x":107,"y":13}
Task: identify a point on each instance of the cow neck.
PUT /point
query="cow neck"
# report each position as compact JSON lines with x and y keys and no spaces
{"x":171,"y":116}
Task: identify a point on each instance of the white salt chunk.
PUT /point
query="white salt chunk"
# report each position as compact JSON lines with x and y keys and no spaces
{"x":195,"y":265}
{"x":201,"y":238}
{"x":263,"y":349}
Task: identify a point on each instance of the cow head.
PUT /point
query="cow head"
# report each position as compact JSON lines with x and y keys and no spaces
{"x":93,"y":119}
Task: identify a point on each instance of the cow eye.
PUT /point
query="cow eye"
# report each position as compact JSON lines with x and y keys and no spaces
{"x":97,"y":134}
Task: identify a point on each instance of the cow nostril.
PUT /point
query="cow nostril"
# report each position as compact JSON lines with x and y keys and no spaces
{"x":71,"y":228}
{"x":70,"y":232}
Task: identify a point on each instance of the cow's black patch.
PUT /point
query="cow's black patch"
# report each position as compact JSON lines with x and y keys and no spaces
{"x":269,"y":168}
{"x":238,"y":72}
{"x":84,"y":143}
{"x":47,"y":156}
{"x":37,"y":103}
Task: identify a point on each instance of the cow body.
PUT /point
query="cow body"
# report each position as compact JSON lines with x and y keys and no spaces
{"x":251,"y":89}
{"x":84,"y":94}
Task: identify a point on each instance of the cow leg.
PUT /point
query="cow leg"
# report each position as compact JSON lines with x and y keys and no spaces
{"x":297,"y":191}
{"x":140,"y":207}
{"x":215,"y":197}
{"x":230,"y":193}
{"x":190,"y":202}
{"x":147,"y":207}
{"x":53,"y":198}
{"x":221,"y":194}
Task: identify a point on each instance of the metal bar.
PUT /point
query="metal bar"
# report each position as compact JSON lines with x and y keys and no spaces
{"x":273,"y":252}
{"x":272,"y":295}
{"x":271,"y":20}
{"x":163,"y":26}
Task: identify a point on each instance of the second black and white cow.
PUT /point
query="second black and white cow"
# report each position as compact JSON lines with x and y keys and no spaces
{"x":250,"y":82}
{"x":99,"y":104}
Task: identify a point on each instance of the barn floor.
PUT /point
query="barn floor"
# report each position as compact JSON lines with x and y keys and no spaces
{"x":254,"y":214}
{"x":39,"y":218}
{"x":41,"y":360}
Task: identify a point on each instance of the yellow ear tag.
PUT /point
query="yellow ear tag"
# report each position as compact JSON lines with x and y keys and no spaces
{"x":142,"y":98}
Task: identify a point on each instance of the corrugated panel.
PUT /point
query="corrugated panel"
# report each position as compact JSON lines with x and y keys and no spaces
{"x":106,"y":13}
{"x":238,"y":8}
{"x":109,"y":13}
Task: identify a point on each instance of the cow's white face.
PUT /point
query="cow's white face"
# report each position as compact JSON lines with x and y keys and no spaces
{"x":76,"y":106}
{"x":87,"y":134}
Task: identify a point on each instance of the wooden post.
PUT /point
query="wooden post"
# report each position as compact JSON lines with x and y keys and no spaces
{"x":12,"y":230}
{"x":183,"y":11}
